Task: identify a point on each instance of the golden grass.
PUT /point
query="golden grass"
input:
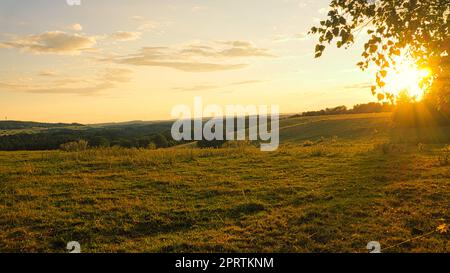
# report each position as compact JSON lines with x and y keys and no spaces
{"x":333,"y":196}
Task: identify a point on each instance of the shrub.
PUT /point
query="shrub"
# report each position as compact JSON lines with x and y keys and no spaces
{"x":334,"y":139}
{"x":421,"y":147}
{"x":308,"y":143}
{"x":387,"y":148}
{"x":99,"y":142}
{"x":444,"y":157}
{"x":160,"y":141}
{"x":75,"y":146}
{"x":321,"y":140}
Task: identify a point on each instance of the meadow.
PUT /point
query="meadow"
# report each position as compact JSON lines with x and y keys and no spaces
{"x":335,"y":184}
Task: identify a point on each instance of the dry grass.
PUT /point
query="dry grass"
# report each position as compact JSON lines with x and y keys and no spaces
{"x":331,"y":197}
{"x":353,"y":182}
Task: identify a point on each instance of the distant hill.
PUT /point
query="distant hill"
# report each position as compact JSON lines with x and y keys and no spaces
{"x":344,"y":126}
{"x":15,"y":135}
{"x":126,"y":123}
{"x":18,"y":125}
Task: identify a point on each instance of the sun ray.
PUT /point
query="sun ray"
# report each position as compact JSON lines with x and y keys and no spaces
{"x":407,"y":77}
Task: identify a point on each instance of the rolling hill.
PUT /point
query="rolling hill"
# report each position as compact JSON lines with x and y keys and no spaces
{"x":335,"y":184}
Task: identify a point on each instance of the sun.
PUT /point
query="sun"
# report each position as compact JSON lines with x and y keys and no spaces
{"x":407,"y":77}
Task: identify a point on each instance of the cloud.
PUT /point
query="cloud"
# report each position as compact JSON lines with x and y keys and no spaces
{"x":244,"y":49}
{"x":195,"y":57}
{"x":56,"y":42}
{"x":300,"y":3}
{"x":11,"y":85}
{"x":247,"y":82}
{"x":144,"y":24}
{"x":232,"y":49}
{"x":67,"y":85}
{"x":363,"y":85}
{"x":75,"y":27}
{"x":203,"y":87}
{"x":301,"y":36}
{"x":196,"y":88}
{"x":115,"y":75}
{"x":47,"y":73}
{"x":125,"y":36}
{"x":89,"y":90}
{"x":287,"y":38}
{"x":198,"y":8}
{"x":183,"y":66}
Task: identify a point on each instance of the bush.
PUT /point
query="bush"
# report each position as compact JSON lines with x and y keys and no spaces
{"x":421,"y":147}
{"x":307,"y":143}
{"x":388,"y":148}
{"x":75,"y":146}
{"x":444,"y":157}
{"x":160,"y":141}
{"x":99,"y":142}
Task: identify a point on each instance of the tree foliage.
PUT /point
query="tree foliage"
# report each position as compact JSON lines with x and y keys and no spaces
{"x":75,"y":146}
{"x":416,"y":28}
{"x":371,"y":107}
{"x":67,"y":139}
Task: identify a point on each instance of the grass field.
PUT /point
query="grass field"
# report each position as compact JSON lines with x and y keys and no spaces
{"x":335,"y":184}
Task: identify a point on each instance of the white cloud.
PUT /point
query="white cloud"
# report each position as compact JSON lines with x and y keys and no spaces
{"x":70,"y":85}
{"x":125,"y":36}
{"x":145,"y":24}
{"x":75,"y":27}
{"x":48,"y":73}
{"x":203,"y":87}
{"x":287,"y":38}
{"x":57,"y":42}
{"x":195,"y":57}
{"x":198,"y":8}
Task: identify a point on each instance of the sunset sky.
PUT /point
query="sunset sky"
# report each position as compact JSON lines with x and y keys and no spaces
{"x":121,"y":60}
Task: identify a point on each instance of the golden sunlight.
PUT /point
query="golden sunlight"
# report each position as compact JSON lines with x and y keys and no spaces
{"x":407,"y":76}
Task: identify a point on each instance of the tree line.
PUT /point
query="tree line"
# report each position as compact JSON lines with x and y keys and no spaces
{"x":372,"y":107}
{"x":17,"y":125}
{"x":130,"y":137}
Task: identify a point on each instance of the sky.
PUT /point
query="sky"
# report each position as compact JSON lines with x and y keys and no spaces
{"x":122,"y":60}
